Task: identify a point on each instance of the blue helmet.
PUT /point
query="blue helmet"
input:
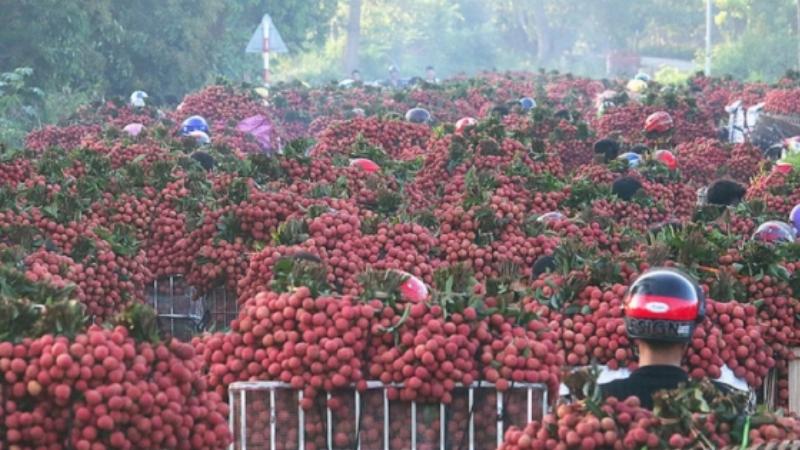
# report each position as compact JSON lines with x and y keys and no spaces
{"x":527,"y":103}
{"x":633,"y":159}
{"x":194,"y":123}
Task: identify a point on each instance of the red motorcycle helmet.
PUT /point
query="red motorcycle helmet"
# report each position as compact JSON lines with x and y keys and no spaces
{"x":658,"y":122}
{"x":774,"y":232}
{"x":664,"y":304}
{"x":464,"y":123}
{"x":367,"y":165}
{"x":413,"y":289}
{"x":667,"y":158}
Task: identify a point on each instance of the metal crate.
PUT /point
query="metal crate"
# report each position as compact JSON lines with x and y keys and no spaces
{"x":181,"y":313}
{"x":266,"y":415}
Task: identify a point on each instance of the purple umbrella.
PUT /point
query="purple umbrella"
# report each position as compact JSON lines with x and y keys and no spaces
{"x":260,"y":128}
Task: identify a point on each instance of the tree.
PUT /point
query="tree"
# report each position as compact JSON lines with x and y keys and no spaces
{"x":758,"y":38}
{"x":353,"y":36}
{"x":165,"y":47}
{"x":55,"y":38}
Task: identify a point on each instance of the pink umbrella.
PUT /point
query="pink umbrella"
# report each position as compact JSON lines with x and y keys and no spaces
{"x":260,"y":128}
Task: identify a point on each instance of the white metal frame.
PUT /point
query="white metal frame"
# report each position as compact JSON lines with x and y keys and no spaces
{"x":240,"y":390}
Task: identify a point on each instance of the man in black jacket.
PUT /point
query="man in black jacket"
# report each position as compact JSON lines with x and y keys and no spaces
{"x":662,"y":308}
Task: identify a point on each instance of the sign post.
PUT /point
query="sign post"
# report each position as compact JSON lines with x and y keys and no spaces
{"x":265,"y":27}
{"x":266,"y":40}
{"x":709,"y":24}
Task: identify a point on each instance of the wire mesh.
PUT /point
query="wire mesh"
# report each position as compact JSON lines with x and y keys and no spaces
{"x":371,"y":426}
{"x":484,"y":416}
{"x":181,"y":313}
{"x":401,"y":428}
{"x":457,"y":420}
{"x":221,"y":306}
{"x":428,"y":426}
{"x":178,"y":313}
{"x":342,"y":420}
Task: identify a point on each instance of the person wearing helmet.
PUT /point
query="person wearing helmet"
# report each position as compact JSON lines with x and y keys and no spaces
{"x":794,"y":218}
{"x":133,"y":129}
{"x":499,"y":111}
{"x":552,"y":216}
{"x":563,"y":114}
{"x":138,"y":98}
{"x":544,"y":264}
{"x":367,"y":165}
{"x":527,"y":103}
{"x":356,"y":112}
{"x":430,"y":75}
{"x":642,"y":76}
{"x":206,"y":161}
{"x":658,"y":123}
{"x":636,"y":87}
{"x":625,"y":188}
{"x":346,"y":83}
{"x":634,"y":160}
{"x":418,"y":115}
{"x":662,"y":308}
{"x":725,"y":193}
{"x":605,"y":101}
{"x":666,"y":158}
{"x":608,"y":148}
{"x":774,"y":232}
{"x":194,"y":123}
{"x":355,"y":75}
{"x":199,"y":137}
{"x":464,"y":123}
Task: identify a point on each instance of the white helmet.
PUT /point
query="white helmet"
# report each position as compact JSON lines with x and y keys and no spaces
{"x":137,"y":99}
{"x":199,"y":136}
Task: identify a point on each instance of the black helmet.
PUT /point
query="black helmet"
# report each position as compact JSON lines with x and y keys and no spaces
{"x":418,"y":115}
{"x":725,"y":192}
{"x":206,"y":161}
{"x":664,"y":304}
{"x":544,"y":264}
{"x":607,"y":147}
{"x":626,"y":187}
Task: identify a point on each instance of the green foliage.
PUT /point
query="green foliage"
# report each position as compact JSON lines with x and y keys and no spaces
{"x":759,"y":41}
{"x":141,"y":321}
{"x":672,"y":76}
{"x":756,"y":55}
{"x":20,"y":105}
{"x":169,"y":47}
{"x":165,"y":47}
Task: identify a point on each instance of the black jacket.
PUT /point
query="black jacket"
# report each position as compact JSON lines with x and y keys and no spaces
{"x":644,"y":382}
